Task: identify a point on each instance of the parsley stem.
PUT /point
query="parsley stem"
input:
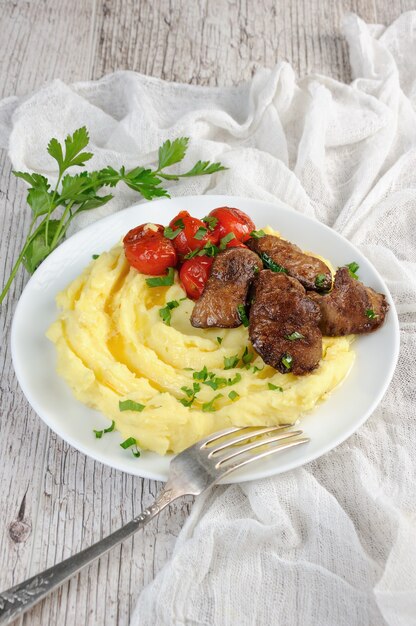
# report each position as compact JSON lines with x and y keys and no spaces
{"x":62,"y":225}
{"x":52,"y":207}
{"x":19,"y":260}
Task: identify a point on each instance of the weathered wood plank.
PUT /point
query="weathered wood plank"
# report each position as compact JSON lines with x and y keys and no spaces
{"x":55,"y":501}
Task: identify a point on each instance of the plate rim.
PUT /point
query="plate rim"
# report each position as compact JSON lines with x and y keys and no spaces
{"x":254,"y":475}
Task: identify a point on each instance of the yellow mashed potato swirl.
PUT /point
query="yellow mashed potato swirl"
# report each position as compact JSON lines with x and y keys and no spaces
{"x":112,"y":345}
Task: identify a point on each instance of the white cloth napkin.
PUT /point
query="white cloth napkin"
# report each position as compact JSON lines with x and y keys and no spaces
{"x":332,"y":543}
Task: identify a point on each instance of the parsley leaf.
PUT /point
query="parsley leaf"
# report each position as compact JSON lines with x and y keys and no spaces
{"x":371,"y":314}
{"x":231,"y":361}
{"x":130,"y":405}
{"x":352,"y":268}
{"x":162,"y":281}
{"x":320,"y":281}
{"x":241,"y":310}
{"x":274,"y":387}
{"x":271,"y":265}
{"x":172,"y":152}
{"x":208,"y":407}
{"x":211,"y":221}
{"x":169,"y":233}
{"x":165,"y":312}
{"x":294,"y":336}
{"x":219,"y":339}
{"x":202,"y":375}
{"x":287,"y":361}
{"x":225,"y":240}
{"x":100,"y":433}
{"x":233,"y":395}
{"x":200,"y":233}
{"x":128,"y":443}
{"x":257,"y":234}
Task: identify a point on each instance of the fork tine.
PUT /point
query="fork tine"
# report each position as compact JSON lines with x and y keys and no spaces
{"x":263,"y":430}
{"x":262,"y":455}
{"x":256,"y":444}
{"x":221,"y":433}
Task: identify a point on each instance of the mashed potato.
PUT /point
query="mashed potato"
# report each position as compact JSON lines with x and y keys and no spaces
{"x":112,"y":346}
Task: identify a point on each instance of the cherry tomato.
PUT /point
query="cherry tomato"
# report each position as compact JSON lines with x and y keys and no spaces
{"x":194,"y":274}
{"x":232,"y":220}
{"x":189,"y":226}
{"x":234,"y":243}
{"x":148,"y":251}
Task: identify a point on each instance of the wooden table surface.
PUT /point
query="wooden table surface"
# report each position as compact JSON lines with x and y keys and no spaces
{"x":54,"y":501}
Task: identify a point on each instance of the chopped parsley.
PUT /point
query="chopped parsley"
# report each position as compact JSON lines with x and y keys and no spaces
{"x":211,"y":221}
{"x":257,"y":234}
{"x":186,"y":402}
{"x":225,"y":240}
{"x":257,"y":369}
{"x":274,"y":387}
{"x":100,"y":433}
{"x":247,"y":357}
{"x":95,"y":256}
{"x":162,"y":281}
{"x":241,"y":310}
{"x":165,"y":312}
{"x":294,"y":336}
{"x":219,"y":339}
{"x":371,"y":314}
{"x":208,"y":407}
{"x":169,"y":233}
{"x":215,"y":382}
{"x":352,"y":268}
{"x":209,"y":249}
{"x":202,"y":375}
{"x":128,"y":443}
{"x":233,"y":381}
{"x":272,"y":265}
{"x":233,"y":395}
{"x":130,"y":405}
{"x":200,"y":233}
{"x":320,"y":281}
{"x":287,"y":361}
{"x":230,"y":361}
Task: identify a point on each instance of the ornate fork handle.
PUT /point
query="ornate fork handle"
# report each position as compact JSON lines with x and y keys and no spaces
{"x":22,"y":597}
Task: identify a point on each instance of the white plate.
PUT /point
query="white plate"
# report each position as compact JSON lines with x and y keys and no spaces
{"x":34,"y":356}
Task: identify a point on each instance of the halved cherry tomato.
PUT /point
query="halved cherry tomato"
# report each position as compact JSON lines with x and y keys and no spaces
{"x":188,"y":227}
{"x":231,"y":220}
{"x":234,"y":243}
{"x":194,"y":274}
{"x":148,"y":251}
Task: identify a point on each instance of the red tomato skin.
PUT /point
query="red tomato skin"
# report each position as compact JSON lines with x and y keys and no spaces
{"x":148,"y":251}
{"x":234,"y":243}
{"x":194,"y":274}
{"x":185,"y":241}
{"x":232,"y":220}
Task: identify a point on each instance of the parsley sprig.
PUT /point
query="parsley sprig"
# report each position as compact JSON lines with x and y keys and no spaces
{"x":55,"y":206}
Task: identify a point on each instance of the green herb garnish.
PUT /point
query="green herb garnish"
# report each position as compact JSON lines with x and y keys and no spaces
{"x":162,"y":281}
{"x":216,"y":382}
{"x":371,"y":314}
{"x":230,"y":361}
{"x":208,"y":407}
{"x":274,"y":387}
{"x":75,"y":193}
{"x":225,"y":240}
{"x":202,"y":375}
{"x":320,"y":281}
{"x":294,"y":336}
{"x":169,"y":233}
{"x":247,"y":356}
{"x":233,"y":395}
{"x":100,"y":433}
{"x":219,"y":339}
{"x":233,"y":381}
{"x":271,"y":265}
{"x":209,"y":249}
{"x":241,"y":310}
{"x":130,"y":405}
{"x":95,"y":256}
{"x":200,"y":233}
{"x":287,"y":361}
{"x":165,"y":312}
{"x":211,"y":221}
{"x":257,"y":234}
{"x":352,"y":268}
{"x":128,"y":443}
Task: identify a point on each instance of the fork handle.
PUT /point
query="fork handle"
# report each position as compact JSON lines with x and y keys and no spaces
{"x":22,"y":597}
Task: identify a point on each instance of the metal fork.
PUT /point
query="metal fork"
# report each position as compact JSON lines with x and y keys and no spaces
{"x":191,"y":472}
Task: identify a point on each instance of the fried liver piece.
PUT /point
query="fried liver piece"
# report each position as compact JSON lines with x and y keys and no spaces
{"x":350,"y":307}
{"x":231,"y":275}
{"x":284,"y":324}
{"x":310,"y":271}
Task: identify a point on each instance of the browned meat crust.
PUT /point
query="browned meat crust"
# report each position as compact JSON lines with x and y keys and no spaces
{"x":281,"y":309}
{"x":231,"y":275}
{"x":310,"y":271}
{"x":350,"y":307}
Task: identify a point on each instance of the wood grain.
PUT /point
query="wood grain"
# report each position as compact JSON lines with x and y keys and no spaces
{"x":54,"y":500}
